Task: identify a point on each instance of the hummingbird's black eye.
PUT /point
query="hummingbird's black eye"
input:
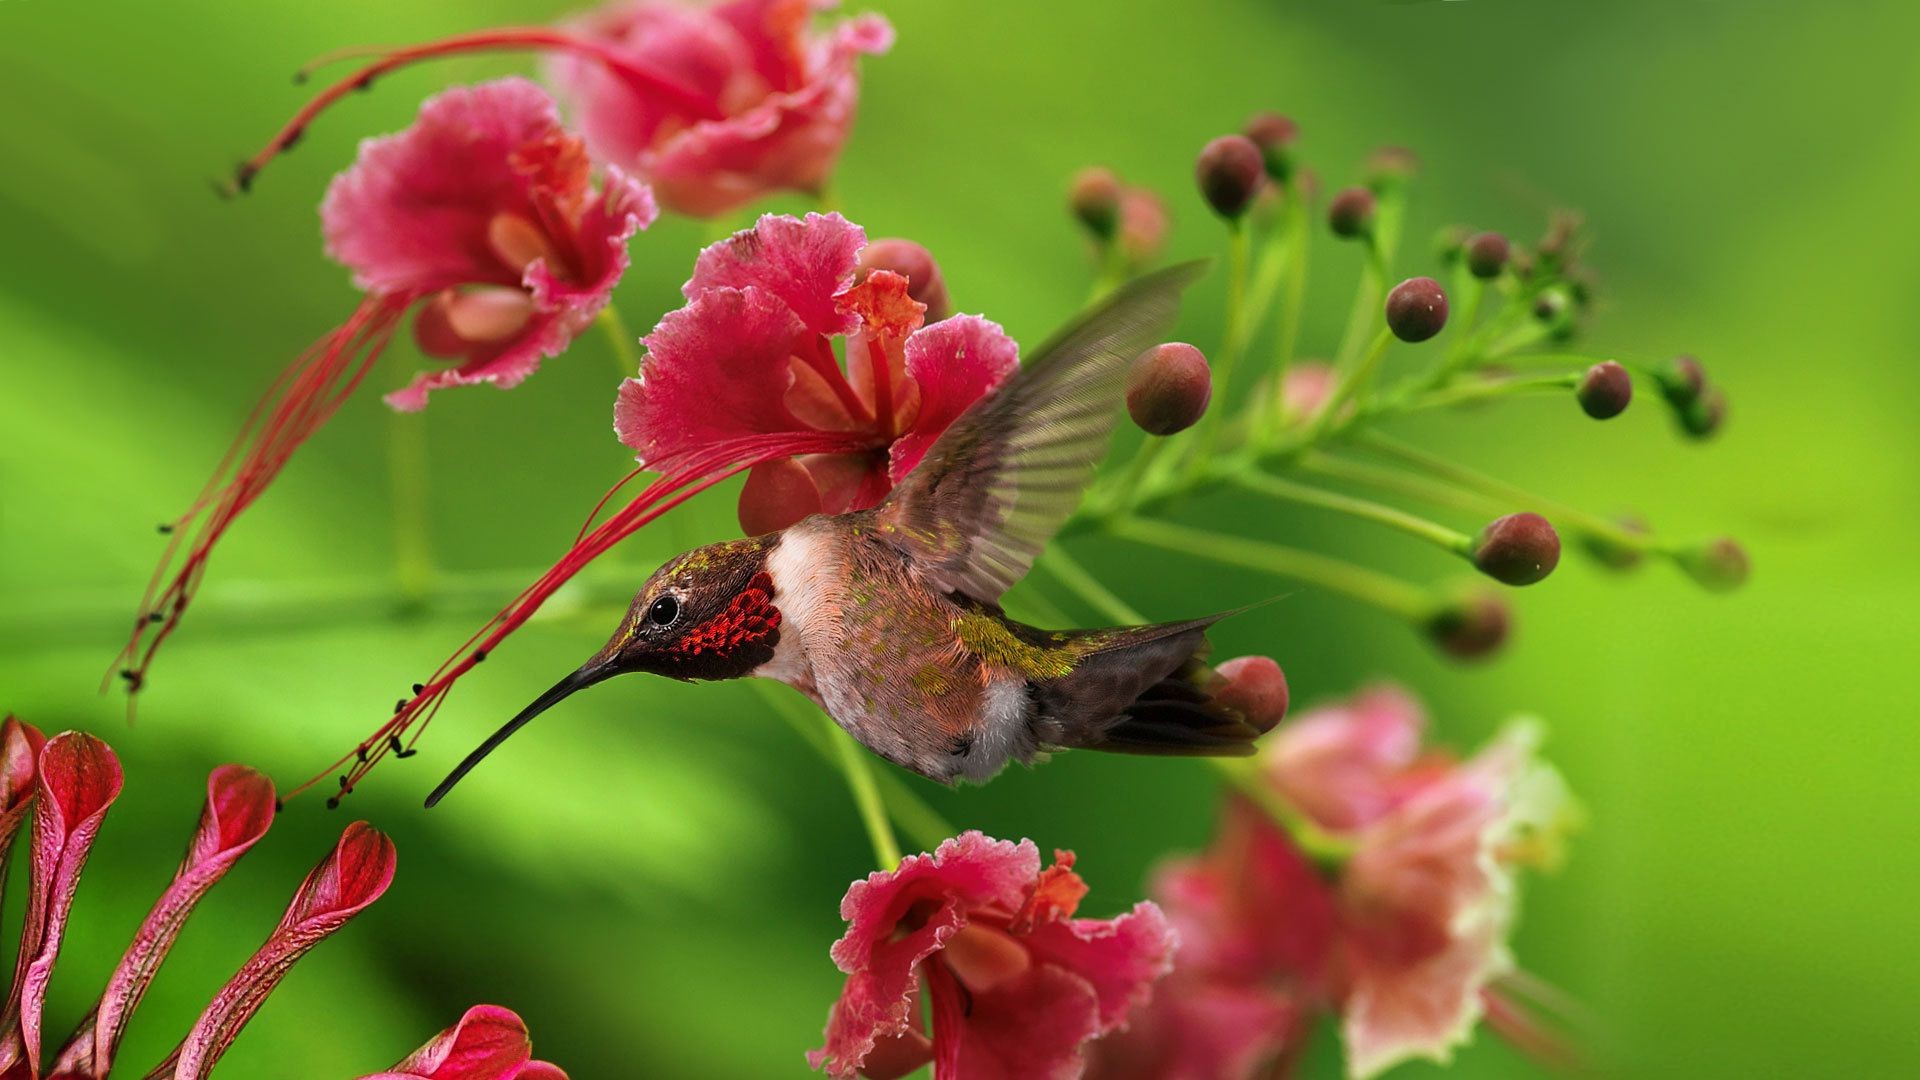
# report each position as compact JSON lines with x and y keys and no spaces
{"x":664,"y":611}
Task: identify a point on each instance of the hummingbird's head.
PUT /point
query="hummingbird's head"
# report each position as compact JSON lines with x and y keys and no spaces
{"x":707,"y":614}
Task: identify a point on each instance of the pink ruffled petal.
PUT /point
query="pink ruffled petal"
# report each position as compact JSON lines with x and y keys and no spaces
{"x":78,"y":780}
{"x":898,"y":918}
{"x":806,"y":262}
{"x":412,"y":214}
{"x":954,"y":363}
{"x":563,"y":308}
{"x":1120,"y":959}
{"x":1033,"y":1026}
{"x":1346,"y":764}
{"x":238,"y":812}
{"x":1199,"y":1029}
{"x":487,"y":1043}
{"x":352,"y":876}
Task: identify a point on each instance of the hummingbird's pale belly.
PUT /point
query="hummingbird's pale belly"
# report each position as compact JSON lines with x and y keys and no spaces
{"x":877,"y":650}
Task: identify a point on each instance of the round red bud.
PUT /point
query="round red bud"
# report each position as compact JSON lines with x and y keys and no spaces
{"x":1388,"y":166}
{"x":1682,"y":380}
{"x":1168,"y":388}
{"x":913,"y":262}
{"x":1275,"y":135}
{"x":1416,"y":309}
{"x":1720,"y":564}
{"x":1351,"y":212}
{"x":1094,"y":198}
{"x":1487,"y":255}
{"x":1256,"y":688}
{"x":1703,"y":416}
{"x":1519,"y":549}
{"x":1605,"y":390}
{"x":1230,"y":170}
{"x":1473,"y":626}
{"x":1143,"y":226}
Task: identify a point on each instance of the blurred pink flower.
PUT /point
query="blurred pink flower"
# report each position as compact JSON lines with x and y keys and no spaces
{"x":1403,"y":938}
{"x":747,"y":367}
{"x":1015,"y":984}
{"x":484,"y":210}
{"x":68,"y":783}
{"x":759,"y":103}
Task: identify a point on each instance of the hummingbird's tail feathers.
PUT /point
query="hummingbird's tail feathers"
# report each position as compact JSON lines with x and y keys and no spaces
{"x":1143,"y":690}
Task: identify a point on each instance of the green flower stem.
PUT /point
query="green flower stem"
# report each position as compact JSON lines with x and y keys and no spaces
{"x":1234,"y":341}
{"x":407,"y":481}
{"x":1412,"y":485}
{"x":1075,"y":577}
{"x":1579,"y":360}
{"x":1433,"y":532}
{"x":1352,"y":383}
{"x":858,"y":770}
{"x":1560,"y":513}
{"x":1316,"y":843}
{"x":1299,"y":234}
{"x":1485,"y":389}
{"x":1367,"y":298}
{"x":1113,"y":269}
{"x":874,"y":795}
{"x":626,"y":350}
{"x":1390,"y":594}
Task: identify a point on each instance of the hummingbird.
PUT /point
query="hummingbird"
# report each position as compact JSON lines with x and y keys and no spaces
{"x":889,"y":620}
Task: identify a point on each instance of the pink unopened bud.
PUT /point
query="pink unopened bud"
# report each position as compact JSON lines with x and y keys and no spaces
{"x":1350,"y":214}
{"x":1416,"y":309}
{"x":1275,"y":135}
{"x":1605,"y":390}
{"x":1472,"y":626}
{"x":1487,"y":255}
{"x":1518,"y":549}
{"x":1143,"y":226}
{"x":1168,"y":388}
{"x":1719,"y":564}
{"x":913,"y":262}
{"x":1094,"y":198}
{"x":1230,"y":170}
{"x":1304,"y":388}
{"x":1388,"y":166}
{"x":1256,"y":688}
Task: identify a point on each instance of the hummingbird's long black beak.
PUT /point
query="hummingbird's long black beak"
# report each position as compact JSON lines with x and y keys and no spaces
{"x":596,"y":670}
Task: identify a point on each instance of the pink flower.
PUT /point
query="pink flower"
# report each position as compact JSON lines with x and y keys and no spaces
{"x":1399,"y":927}
{"x":748,"y":364}
{"x":483,"y":216}
{"x":488,"y":1043}
{"x":1015,"y":985}
{"x":716,"y":106}
{"x":770,"y":104}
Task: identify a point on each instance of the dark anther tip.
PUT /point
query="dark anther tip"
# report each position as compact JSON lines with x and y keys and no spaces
{"x":333,"y":803}
{"x":164,"y":528}
{"x":400,"y":706}
{"x":418,"y":687}
{"x":479,"y":655}
{"x":361,"y":753}
{"x":154,"y":616}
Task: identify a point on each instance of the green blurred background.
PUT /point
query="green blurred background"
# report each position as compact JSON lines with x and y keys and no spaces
{"x":651,"y":875}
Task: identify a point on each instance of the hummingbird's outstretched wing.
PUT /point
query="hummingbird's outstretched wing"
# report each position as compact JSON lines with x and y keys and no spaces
{"x":1002,"y":478}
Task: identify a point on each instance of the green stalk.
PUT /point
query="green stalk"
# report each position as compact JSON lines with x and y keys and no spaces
{"x":1234,"y":341}
{"x":1390,"y":594}
{"x":1098,"y":596}
{"x":407,"y":482}
{"x":1486,"y":389}
{"x":1317,"y":844}
{"x":1412,"y":524}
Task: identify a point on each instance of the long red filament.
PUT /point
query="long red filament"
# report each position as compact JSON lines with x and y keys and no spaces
{"x":299,"y":402}
{"x":638,"y":75}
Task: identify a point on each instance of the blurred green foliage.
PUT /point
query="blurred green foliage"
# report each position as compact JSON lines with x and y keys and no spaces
{"x":651,"y":874}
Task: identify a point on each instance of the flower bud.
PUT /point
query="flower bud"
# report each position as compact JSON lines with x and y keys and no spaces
{"x":1256,"y":688}
{"x":1550,"y":306}
{"x":1389,"y":166}
{"x":1275,"y":135}
{"x":1094,"y":198}
{"x":1518,"y":549}
{"x":1682,"y":380}
{"x":1304,"y":388}
{"x":910,"y":261}
{"x":1472,"y":626}
{"x":1351,"y":212}
{"x":1611,"y":553}
{"x":1720,"y":564}
{"x":1230,"y":170}
{"x":1450,"y":244}
{"x":1143,"y":226}
{"x":1605,"y":390}
{"x":1487,"y":255}
{"x":1168,"y":388}
{"x":1703,"y":416}
{"x":1416,"y":309}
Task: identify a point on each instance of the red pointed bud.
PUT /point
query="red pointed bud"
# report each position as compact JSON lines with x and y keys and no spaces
{"x":1275,"y":135}
{"x":1611,"y":553}
{"x":1471,"y":627}
{"x":1487,"y":255}
{"x":1518,"y":549}
{"x":1605,"y":390}
{"x":1256,"y":688}
{"x":1230,"y":170}
{"x":1094,"y":198}
{"x":1168,"y":388}
{"x":1720,"y":564}
{"x":1350,"y":214}
{"x":1416,"y":309}
{"x":1390,"y":166}
{"x":913,"y":262}
{"x":1702,"y":417}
